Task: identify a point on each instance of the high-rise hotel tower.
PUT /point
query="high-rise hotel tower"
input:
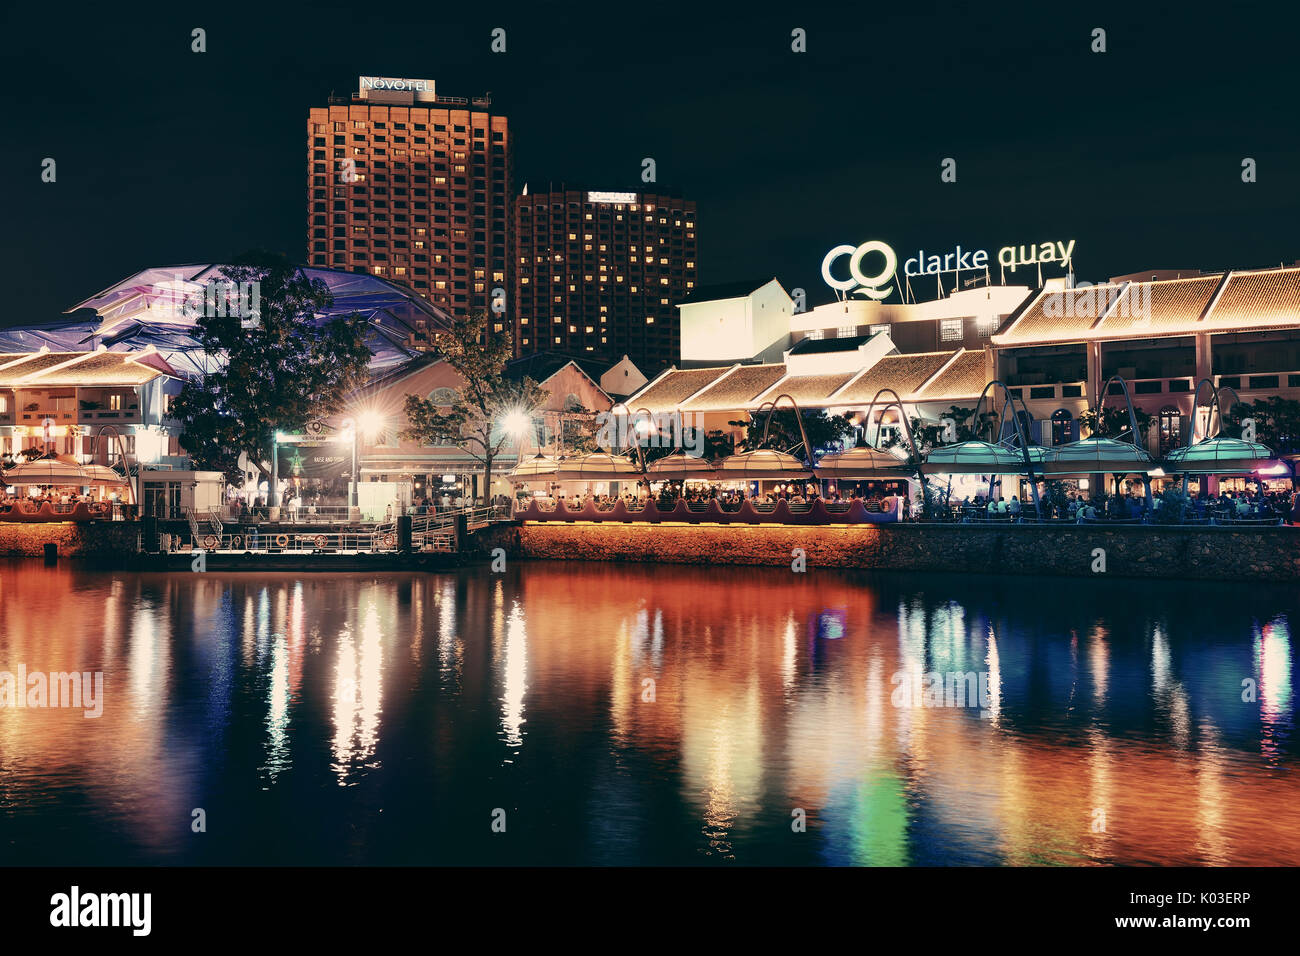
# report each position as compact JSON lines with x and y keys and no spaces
{"x":600,"y":274}
{"x":413,"y":186}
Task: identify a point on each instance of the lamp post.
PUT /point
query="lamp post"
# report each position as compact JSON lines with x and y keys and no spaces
{"x":273,"y":498}
{"x":350,"y":426}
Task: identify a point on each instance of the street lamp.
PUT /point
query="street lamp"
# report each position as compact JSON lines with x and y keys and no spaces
{"x":368,"y":422}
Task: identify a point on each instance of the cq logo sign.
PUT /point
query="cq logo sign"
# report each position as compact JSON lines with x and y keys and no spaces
{"x":876,"y":286}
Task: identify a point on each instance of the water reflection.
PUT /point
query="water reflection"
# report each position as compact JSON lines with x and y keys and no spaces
{"x":651,"y":714}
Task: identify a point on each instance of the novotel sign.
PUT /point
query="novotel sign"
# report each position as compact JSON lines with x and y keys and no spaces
{"x":395,"y":85}
{"x":874,"y":279}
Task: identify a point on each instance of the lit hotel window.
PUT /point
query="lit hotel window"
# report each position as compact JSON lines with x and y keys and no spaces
{"x":950,"y":330}
{"x":847,"y":331}
{"x":815,"y":334}
{"x":649,"y":320}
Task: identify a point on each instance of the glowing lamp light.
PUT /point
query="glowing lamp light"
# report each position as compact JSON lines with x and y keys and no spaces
{"x":1278,"y":468}
{"x":370,"y":422}
{"x":516,"y":423}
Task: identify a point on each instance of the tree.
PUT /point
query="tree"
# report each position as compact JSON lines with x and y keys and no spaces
{"x":825,"y":432}
{"x":1113,"y":421}
{"x":279,"y":374}
{"x":491,"y":408}
{"x":1277,"y":422}
{"x":578,"y":426}
{"x":929,"y":435}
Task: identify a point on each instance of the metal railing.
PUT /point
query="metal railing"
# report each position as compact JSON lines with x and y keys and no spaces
{"x":285,"y":542}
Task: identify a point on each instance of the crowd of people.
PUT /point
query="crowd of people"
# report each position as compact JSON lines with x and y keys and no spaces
{"x":698,"y":497}
{"x":62,"y":500}
{"x":1132,"y":507}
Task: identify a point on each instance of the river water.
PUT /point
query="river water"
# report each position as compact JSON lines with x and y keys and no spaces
{"x":611,"y":714}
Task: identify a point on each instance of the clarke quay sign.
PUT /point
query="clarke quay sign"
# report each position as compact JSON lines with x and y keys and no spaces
{"x":876,"y":285}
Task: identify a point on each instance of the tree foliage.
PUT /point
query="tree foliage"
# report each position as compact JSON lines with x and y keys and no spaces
{"x":487,"y":398}
{"x":278,"y":375}
{"x":1277,"y":422}
{"x":825,"y":432}
{"x":1113,"y":421}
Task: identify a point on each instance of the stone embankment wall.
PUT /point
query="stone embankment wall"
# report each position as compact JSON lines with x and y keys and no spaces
{"x":1270,"y":554}
{"x":99,"y":539}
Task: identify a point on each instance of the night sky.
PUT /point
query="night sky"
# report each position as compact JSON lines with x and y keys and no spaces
{"x":167,"y":156}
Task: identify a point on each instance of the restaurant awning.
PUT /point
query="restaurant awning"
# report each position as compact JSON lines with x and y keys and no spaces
{"x":535,"y":468}
{"x":765,"y":464}
{"x":102,"y":475}
{"x":680,"y":466}
{"x":862,"y":463}
{"x":597,"y":466}
{"x":982,"y":458}
{"x":1097,"y":455}
{"x":47,"y":471}
{"x":1221,"y":456}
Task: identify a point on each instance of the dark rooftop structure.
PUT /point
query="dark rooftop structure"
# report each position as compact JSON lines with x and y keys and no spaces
{"x":725,"y":290}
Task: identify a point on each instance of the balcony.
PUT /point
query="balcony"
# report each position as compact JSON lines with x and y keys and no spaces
{"x":123,"y":416}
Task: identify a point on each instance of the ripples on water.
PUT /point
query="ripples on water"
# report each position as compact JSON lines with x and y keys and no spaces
{"x":648,"y":714}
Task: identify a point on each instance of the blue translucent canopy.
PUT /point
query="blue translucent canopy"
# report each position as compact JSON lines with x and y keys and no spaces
{"x":145,"y":309}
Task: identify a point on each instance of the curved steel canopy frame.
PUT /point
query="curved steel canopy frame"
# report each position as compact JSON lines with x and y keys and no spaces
{"x":1128,"y":398}
{"x":121,"y":453}
{"x":1214,"y":409}
{"x":798,"y":417}
{"x":1021,"y":435}
{"x":896,"y":401}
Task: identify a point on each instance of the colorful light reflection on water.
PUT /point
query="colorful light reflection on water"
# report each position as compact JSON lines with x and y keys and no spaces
{"x":630,"y":714}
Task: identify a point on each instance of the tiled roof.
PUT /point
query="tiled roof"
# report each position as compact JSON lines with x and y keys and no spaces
{"x":1254,"y":299}
{"x":1158,"y":308}
{"x":903,"y":373}
{"x":1239,"y":302}
{"x":36,"y":362}
{"x":810,"y":390}
{"x":89,"y":368}
{"x":670,"y":390}
{"x":735,"y":391}
{"x":964,"y":378}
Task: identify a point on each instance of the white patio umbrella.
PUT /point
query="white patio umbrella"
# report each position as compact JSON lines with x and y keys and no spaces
{"x":680,"y":466}
{"x":765,"y":464}
{"x":597,"y":466}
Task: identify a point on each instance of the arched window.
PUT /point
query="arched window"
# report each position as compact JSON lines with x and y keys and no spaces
{"x":1062,"y":427}
{"x":1171,"y":428}
{"x":572,"y":403}
{"x":444,"y":396}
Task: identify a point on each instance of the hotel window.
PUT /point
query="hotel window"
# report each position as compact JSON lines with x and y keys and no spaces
{"x":816,"y":335}
{"x":950,"y":330}
{"x":847,"y":331}
{"x":115,"y":403}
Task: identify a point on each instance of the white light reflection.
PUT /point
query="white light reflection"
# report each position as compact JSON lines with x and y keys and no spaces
{"x":358,"y":692}
{"x":514,"y":678}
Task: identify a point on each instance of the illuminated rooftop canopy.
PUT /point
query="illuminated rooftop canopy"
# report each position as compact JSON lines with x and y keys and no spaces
{"x":146,"y":309}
